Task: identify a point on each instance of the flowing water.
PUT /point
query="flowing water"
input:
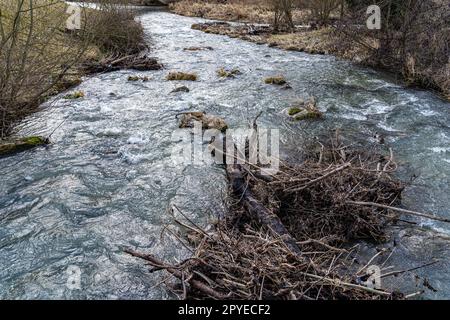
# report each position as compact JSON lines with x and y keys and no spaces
{"x":106,"y":181}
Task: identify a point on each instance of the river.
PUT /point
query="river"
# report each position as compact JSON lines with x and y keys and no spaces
{"x":106,"y":181}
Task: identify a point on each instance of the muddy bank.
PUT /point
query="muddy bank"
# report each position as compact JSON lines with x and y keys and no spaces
{"x":321,"y":41}
{"x":314,"y":41}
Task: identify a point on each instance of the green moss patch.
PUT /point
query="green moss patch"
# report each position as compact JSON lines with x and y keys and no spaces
{"x":74,"y":95}
{"x":22,"y":144}
{"x":302,"y":110}
{"x":294,"y":110}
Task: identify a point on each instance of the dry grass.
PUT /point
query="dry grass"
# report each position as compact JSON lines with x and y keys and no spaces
{"x":181,"y":76}
{"x":315,"y":41}
{"x":234,"y":10}
{"x":225,"y":73}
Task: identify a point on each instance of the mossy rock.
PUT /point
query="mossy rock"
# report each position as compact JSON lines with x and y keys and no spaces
{"x":188,"y":120}
{"x":305,"y":115}
{"x":302,"y":110}
{"x":223,"y":73}
{"x":294,"y":110}
{"x":74,"y":95}
{"x":22,"y":144}
{"x":133,"y":78}
{"x":181,"y":76}
{"x":137,"y":78}
{"x":277,"y":80}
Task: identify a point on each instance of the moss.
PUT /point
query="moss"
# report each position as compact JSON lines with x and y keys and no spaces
{"x":277,"y":80}
{"x":22,"y":144}
{"x":74,"y":95}
{"x":305,"y":114}
{"x":294,"y":110}
{"x":223,"y":73}
{"x":181,"y":76}
{"x":34,"y":140}
{"x":305,"y":110}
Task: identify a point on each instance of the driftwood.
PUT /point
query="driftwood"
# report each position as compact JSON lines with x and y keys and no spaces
{"x":254,"y":207}
{"x":158,"y":264}
{"x":22,"y":144}
{"x":288,"y":237}
{"x":134,"y":62}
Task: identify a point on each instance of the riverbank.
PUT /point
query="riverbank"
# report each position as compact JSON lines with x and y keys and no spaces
{"x":250,"y":12}
{"x":49,"y":57}
{"x":325,"y":40}
{"x":321,"y":41}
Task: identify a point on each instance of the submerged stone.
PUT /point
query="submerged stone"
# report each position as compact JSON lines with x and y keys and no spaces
{"x":137,"y":78}
{"x":198,"y":48}
{"x":180,"y":89}
{"x":224,"y":73}
{"x":74,"y":95}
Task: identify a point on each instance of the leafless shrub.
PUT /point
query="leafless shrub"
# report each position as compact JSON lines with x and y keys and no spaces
{"x":34,"y":55}
{"x":114,"y":30}
{"x":321,"y":9}
{"x":413,"y":41}
{"x":282,"y":10}
{"x":39,"y":57}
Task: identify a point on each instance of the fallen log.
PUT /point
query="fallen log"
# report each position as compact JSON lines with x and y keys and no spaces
{"x":22,"y":144}
{"x":134,"y":62}
{"x":265,"y":216}
{"x":155,"y":262}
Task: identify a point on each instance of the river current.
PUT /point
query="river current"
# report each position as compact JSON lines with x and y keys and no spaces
{"x":68,"y":210}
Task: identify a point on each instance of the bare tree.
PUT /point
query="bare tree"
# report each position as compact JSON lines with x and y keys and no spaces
{"x":282,"y":14}
{"x":413,"y":40}
{"x":39,"y":56}
{"x":321,"y":10}
{"x":33,"y":58}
